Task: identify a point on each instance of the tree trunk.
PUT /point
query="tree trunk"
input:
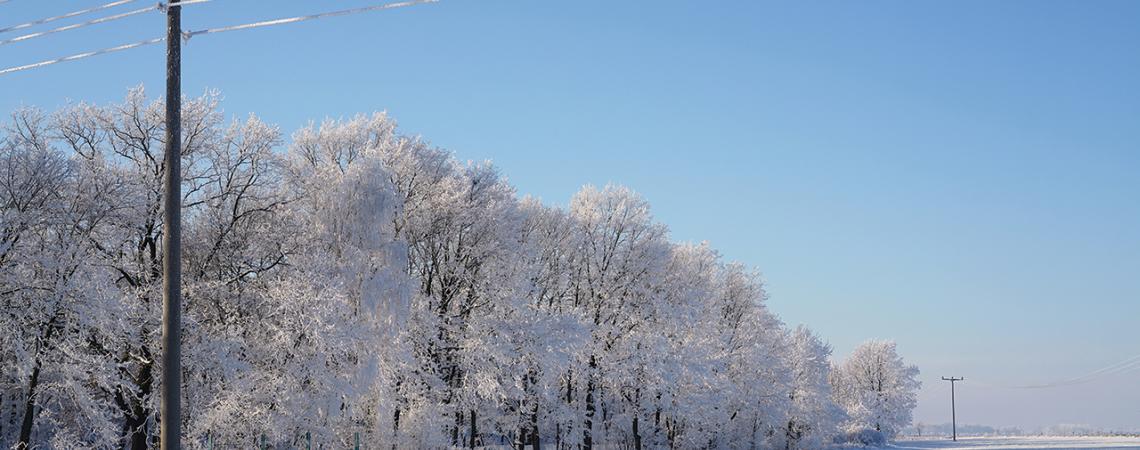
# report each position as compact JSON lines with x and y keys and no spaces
{"x":396,"y":414}
{"x":474,"y":431}
{"x":605,"y":412}
{"x":395,"y":427}
{"x":455,"y":428}
{"x":534,"y":436}
{"x":136,"y":430}
{"x":30,"y":405}
{"x":790,"y":435}
{"x":754,"y":429}
{"x":135,"y":414}
{"x":29,"y":409}
{"x":636,"y":435}
{"x":569,"y":400}
{"x":569,"y":387}
{"x":587,"y":435}
{"x":657,"y":419}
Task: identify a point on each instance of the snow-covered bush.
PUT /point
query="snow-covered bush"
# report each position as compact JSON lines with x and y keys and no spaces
{"x":863,"y":436}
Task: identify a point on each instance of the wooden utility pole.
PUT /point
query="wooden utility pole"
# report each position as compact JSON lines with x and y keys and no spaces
{"x":170,"y":419}
{"x":953,"y":414}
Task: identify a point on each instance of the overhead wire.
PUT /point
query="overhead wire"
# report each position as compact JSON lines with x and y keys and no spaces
{"x":157,"y":7}
{"x":188,"y":35}
{"x":78,"y":25}
{"x":104,"y":51}
{"x":1126,"y":366}
{"x":65,"y":16}
{"x":286,"y":20}
{"x":82,"y":55}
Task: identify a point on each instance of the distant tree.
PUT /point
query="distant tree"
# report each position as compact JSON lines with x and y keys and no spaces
{"x":878,"y":390}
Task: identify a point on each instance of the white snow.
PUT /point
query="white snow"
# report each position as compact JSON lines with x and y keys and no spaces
{"x":1021,"y":443}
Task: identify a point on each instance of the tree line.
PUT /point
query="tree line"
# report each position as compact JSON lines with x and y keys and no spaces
{"x":354,"y":281}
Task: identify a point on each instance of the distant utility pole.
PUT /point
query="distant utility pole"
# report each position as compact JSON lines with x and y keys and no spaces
{"x":953,"y":414}
{"x":170,"y":427}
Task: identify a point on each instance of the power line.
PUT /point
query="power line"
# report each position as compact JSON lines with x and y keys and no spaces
{"x":79,"y":25}
{"x":65,"y":16}
{"x":187,"y":35}
{"x":157,"y":7}
{"x":1128,"y":365}
{"x":283,"y":21}
{"x":1125,"y":366}
{"x":82,"y":55}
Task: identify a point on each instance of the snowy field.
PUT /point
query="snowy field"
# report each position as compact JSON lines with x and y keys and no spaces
{"x":1021,"y":443}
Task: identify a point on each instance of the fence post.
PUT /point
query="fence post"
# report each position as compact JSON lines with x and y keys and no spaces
{"x":357,"y":440}
{"x":308,"y":440}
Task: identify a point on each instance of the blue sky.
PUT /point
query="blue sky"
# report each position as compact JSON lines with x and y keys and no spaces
{"x":962,"y":177}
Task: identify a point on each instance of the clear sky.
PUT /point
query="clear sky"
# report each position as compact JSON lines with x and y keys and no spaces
{"x":963,"y":177}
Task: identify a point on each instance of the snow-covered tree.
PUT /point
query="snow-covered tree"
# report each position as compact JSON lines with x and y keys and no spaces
{"x":49,"y":212}
{"x":619,"y":258}
{"x":814,"y":416}
{"x":350,"y":281}
{"x":876,"y":388}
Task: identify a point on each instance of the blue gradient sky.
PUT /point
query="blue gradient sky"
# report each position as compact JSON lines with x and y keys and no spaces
{"x":963,"y":177}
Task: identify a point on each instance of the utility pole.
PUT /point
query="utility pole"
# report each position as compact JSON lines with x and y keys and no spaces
{"x":953,"y":414}
{"x":171,"y":408}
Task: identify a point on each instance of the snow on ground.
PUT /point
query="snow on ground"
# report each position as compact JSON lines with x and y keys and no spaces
{"x":1019,"y":443}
